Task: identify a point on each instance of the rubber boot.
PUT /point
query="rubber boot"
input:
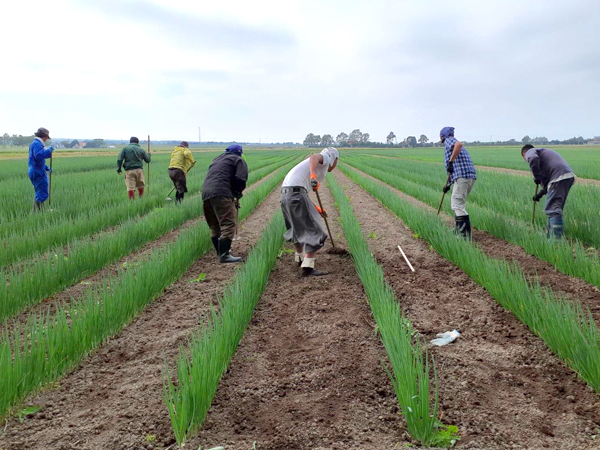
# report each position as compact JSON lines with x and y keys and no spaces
{"x":141,"y":192}
{"x":38,"y":206}
{"x":555,"y":228}
{"x":215,"y":241}
{"x":224,"y":252}
{"x":308,"y":269}
{"x":463,"y":226}
{"x":131,"y":195}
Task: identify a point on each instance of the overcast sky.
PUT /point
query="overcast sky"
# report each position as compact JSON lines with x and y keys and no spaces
{"x":276,"y":70}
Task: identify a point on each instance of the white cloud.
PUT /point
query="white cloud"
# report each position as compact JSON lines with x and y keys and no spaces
{"x":278,"y":70}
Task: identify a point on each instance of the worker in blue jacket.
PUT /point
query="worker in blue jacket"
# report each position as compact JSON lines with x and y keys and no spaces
{"x":38,"y":153}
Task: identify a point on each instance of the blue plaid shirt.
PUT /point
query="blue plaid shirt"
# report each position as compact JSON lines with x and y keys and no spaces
{"x":463,"y":164}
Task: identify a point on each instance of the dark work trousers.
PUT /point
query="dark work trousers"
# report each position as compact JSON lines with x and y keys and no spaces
{"x":302,"y":220}
{"x":178,"y":178}
{"x":557,"y":196}
{"x":221,"y":216}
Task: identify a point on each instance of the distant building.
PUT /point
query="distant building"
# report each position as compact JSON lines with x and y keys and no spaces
{"x":596,"y":140}
{"x":111,"y":146}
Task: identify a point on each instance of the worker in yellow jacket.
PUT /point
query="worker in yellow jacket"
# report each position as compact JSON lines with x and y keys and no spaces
{"x":181,"y":162}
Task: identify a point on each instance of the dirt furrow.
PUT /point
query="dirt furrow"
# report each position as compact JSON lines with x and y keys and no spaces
{"x":114,"y":400}
{"x":308,"y":373}
{"x":78,"y":290}
{"x":498,"y":382}
{"x":570,"y":287}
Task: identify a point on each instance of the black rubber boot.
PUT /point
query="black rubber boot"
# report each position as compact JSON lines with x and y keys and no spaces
{"x":310,"y":272}
{"x":463,"y":226}
{"x":555,"y":228}
{"x":215,"y":241}
{"x":38,"y":206}
{"x":224,"y":252}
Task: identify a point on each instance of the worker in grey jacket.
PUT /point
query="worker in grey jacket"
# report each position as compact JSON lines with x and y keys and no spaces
{"x":556,"y":177}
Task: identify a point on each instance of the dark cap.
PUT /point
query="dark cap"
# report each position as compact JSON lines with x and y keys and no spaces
{"x":42,"y":133}
{"x":184,"y":144}
{"x":133,"y":139}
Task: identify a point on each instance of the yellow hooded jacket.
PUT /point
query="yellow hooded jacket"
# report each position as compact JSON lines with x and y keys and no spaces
{"x":182,"y":158}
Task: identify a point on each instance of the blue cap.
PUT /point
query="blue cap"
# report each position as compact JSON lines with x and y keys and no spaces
{"x":234,"y":148}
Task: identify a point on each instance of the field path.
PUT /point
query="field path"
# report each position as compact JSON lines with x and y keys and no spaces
{"x":573,"y":288}
{"x":307,"y":374}
{"x":76,"y":291}
{"x":115,"y":399}
{"x":499,"y":383}
{"x":497,"y":169}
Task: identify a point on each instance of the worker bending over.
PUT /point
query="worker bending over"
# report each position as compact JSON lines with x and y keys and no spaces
{"x":556,"y":177}
{"x":222,"y":189}
{"x":302,"y":217}
{"x":181,"y":162}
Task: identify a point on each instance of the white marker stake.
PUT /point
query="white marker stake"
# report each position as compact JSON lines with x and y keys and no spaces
{"x":406,"y":259}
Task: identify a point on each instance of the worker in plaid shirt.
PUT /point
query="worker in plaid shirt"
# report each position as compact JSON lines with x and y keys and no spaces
{"x":461,"y":174}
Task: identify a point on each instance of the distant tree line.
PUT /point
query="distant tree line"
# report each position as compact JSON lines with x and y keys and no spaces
{"x":358,"y":139}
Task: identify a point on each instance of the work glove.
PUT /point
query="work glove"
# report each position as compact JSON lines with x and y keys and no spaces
{"x":538,"y":181}
{"x":119,"y":171}
{"x":537,"y":197}
{"x":321,"y":211}
{"x":314,"y":183}
{"x":48,"y":169}
{"x":450,"y":166}
{"x":50,"y":149}
{"x":446,"y":189}
{"x":237,"y":203}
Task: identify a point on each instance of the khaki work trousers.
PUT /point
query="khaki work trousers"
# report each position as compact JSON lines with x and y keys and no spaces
{"x":221,"y":216}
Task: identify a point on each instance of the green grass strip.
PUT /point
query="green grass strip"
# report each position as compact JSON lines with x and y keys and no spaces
{"x":562,"y":325}
{"x":34,"y":282}
{"x":48,"y":346}
{"x":202,"y":363}
{"x":408,"y":358}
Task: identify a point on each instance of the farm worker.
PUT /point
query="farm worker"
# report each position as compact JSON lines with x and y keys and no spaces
{"x":462,"y":175}
{"x":38,"y":153}
{"x":181,"y":162}
{"x":132,"y":159}
{"x":222,"y":189}
{"x":556,"y":177}
{"x":302,"y":217}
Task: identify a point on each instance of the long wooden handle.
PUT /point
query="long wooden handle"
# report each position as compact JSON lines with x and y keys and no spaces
{"x":148,"y":190}
{"x":50,"y":184}
{"x":537,"y":186}
{"x":325,"y":218}
{"x":443,"y":195}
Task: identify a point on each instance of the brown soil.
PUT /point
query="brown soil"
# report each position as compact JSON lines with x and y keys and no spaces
{"x":499,"y":169}
{"x":499,"y":383}
{"x":80,"y":289}
{"x":567,"y":286}
{"x":308,"y":373}
{"x":114,"y":400}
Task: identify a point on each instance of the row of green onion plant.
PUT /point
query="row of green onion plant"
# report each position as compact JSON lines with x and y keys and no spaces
{"x":506,"y":194}
{"x":203,"y":361}
{"x":40,"y":232}
{"x":49,"y":345}
{"x":33,"y":282}
{"x":567,"y":256}
{"x":564,"y":326}
{"x":410,"y":374}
